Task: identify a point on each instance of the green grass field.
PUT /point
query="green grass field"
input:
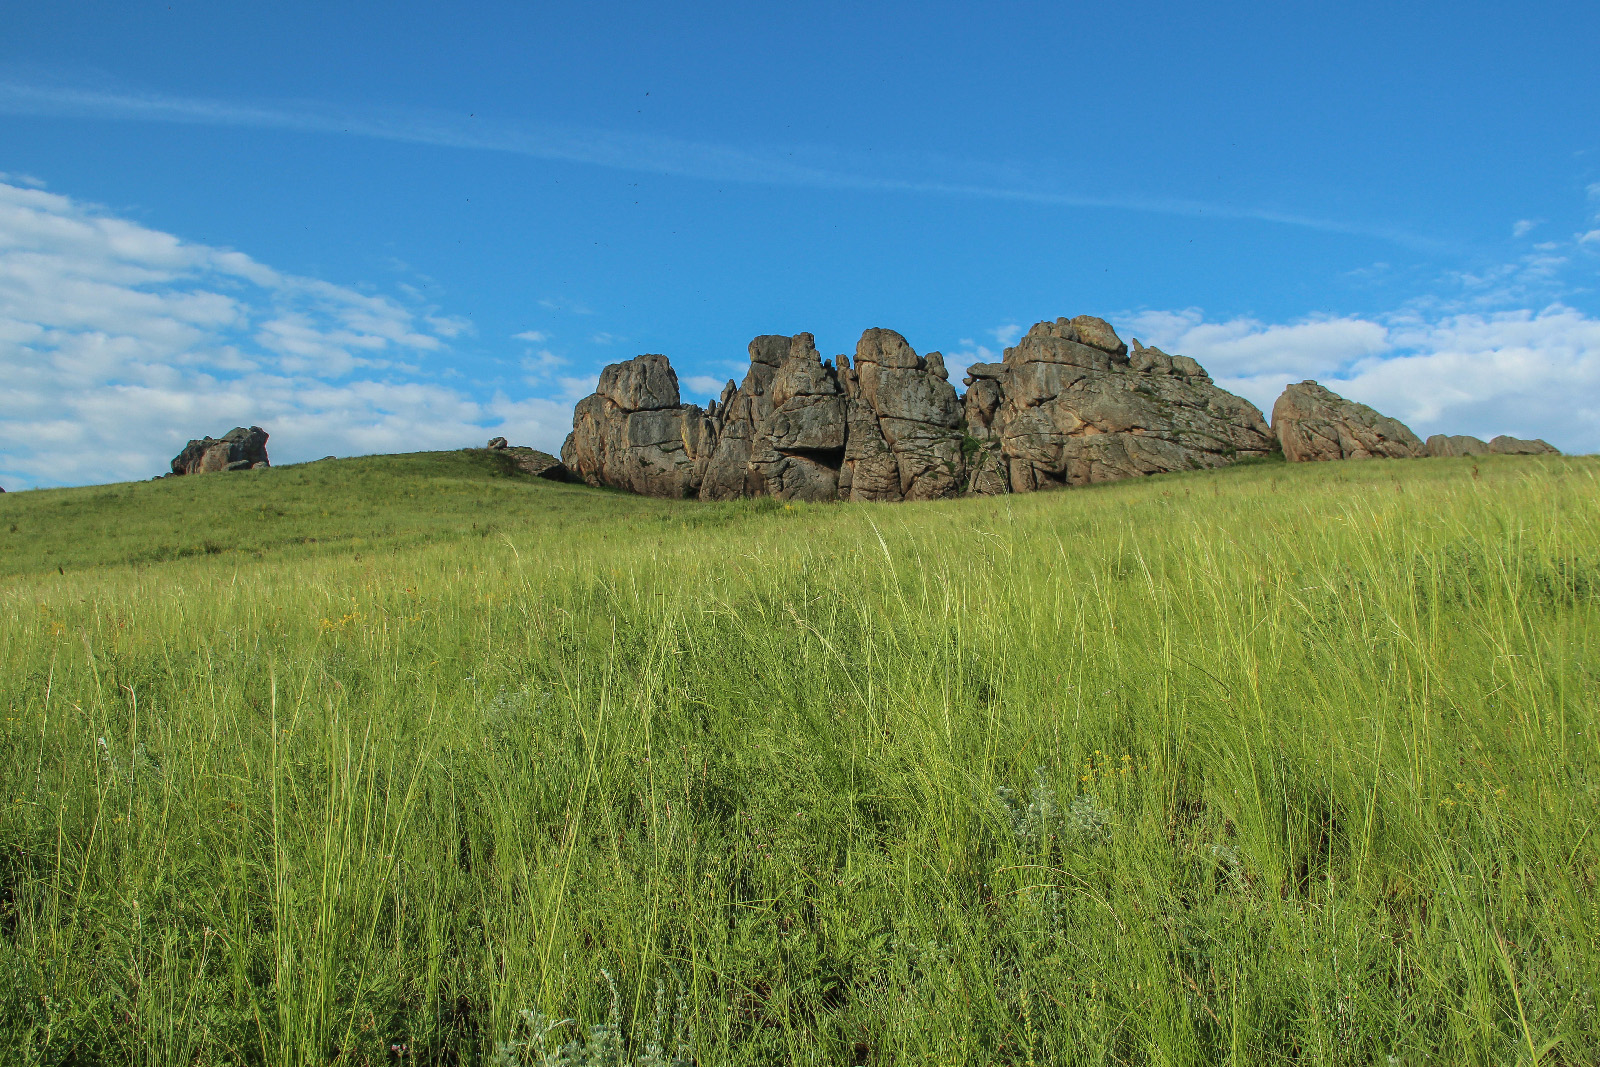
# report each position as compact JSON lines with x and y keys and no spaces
{"x":356,"y":762}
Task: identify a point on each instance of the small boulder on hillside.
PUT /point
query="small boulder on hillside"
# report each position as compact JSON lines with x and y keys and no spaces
{"x":1457,"y":445}
{"x":1516,"y":446}
{"x":498,"y":444}
{"x":539,"y":464}
{"x":237,"y":450}
{"x":1313,"y":423}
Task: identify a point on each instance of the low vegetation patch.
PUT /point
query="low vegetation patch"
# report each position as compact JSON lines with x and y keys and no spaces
{"x":421,"y":760}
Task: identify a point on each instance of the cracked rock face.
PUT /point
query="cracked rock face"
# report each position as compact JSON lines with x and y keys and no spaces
{"x":782,"y":432}
{"x":1070,"y":406}
{"x":904,"y":440}
{"x":1315,"y":424}
{"x":804,"y":428}
{"x":631,"y":433}
{"x":238,"y":449}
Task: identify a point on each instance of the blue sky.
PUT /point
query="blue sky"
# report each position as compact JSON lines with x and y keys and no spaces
{"x":376,"y":227}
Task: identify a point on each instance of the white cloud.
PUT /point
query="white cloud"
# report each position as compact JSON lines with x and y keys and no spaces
{"x":540,"y":365}
{"x":118,"y":343}
{"x":1529,"y":374}
{"x":602,"y":338}
{"x":1590,"y":238}
{"x":537,"y":337}
{"x":574,"y":389}
{"x":1246,"y":348}
{"x":1006,"y":335}
{"x":1524,"y":226}
{"x":702,"y":385}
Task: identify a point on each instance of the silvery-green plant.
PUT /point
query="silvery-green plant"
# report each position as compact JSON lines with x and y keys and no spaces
{"x":1037,"y":821}
{"x":532,"y":1040}
{"x":1041,"y":819}
{"x":1088,"y":821}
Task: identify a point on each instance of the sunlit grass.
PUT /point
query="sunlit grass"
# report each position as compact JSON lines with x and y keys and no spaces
{"x":1277,"y":763}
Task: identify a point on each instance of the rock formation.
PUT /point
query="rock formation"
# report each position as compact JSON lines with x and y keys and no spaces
{"x":1313,"y":423}
{"x":1458,"y":445}
{"x":497,"y":444}
{"x":1069,"y":404}
{"x":1516,"y":446}
{"x":1066,"y":406}
{"x":238,"y":449}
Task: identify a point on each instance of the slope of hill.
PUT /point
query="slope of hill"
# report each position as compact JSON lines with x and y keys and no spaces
{"x":355,"y":761}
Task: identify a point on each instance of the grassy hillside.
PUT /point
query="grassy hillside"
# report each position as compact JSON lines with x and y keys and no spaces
{"x":358,"y":761}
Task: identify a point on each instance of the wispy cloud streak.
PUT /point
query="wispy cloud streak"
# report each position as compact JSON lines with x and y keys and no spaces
{"x":639,"y":152}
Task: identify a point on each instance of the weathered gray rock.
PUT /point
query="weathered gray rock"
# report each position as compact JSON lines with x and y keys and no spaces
{"x":1315,"y":424}
{"x":1457,"y":445}
{"x":631,"y":433}
{"x":1516,"y":446}
{"x":918,"y":418}
{"x":1075,"y":412}
{"x":797,"y":443}
{"x":728,"y":474}
{"x":1095,"y":332}
{"x":498,"y":444}
{"x":238,"y":449}
{"x":537,"y":463}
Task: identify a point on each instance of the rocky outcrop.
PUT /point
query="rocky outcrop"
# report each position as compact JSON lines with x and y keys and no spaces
{"x":631,"y":433}
{"x":1457,"y":445}
{"x":1068,"y":405}
{"x":238,"y":449}
{"x":1516,"y":446}
{"x":1314,"y":424}
{"x":803,"y":428}
{"x":498,"y":444}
